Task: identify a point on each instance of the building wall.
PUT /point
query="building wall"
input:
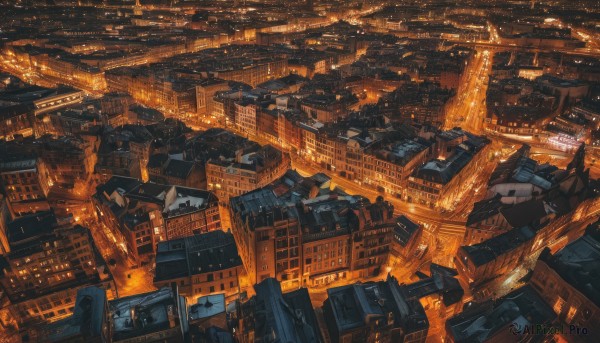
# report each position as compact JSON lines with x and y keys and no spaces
{"x":54,"y":306}
{"x":216,"y":282}
{"x":198,"y":221}
{"x":26,"y":189}
{"x":570,"y":305}
{"x":326,"y":260}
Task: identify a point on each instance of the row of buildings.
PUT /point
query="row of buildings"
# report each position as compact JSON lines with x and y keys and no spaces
{"x":375,"y":311}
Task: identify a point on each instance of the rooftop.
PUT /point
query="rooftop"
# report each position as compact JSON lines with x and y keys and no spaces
{"x":205,"y":253}
{"x":404,"y":229}
{"x":207,"y":306}
{"x":141,"y":314}
{"x":482,"y":322}
{"x":357,"y":305}
{"x":578,"y":263}
{"x":487,"y":251}
{"x":87,"y":318}
{"x":289,"y":317}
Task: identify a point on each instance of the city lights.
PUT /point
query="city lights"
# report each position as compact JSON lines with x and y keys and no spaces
{"x":310,"y":171}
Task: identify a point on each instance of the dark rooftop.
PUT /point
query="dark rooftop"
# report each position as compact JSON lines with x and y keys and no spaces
{"x":578,"y":263}
{"x":208,"y":252}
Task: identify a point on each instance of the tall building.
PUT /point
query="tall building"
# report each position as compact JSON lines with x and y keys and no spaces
{"x":300,"y":232}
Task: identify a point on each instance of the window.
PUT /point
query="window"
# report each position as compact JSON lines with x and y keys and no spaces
{"x":222,"y":287}
{"x":558,"y":305}
{"x":212,"y":289}
{"x":571,"y":314}
{"x":209,"y":277}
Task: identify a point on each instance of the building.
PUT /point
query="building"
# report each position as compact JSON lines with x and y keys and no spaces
{"x":567,"y":283}
{"x":68,"y":160}
{"x":158,"y":316}
{"x":166,"y":170}
{"x":19,"y":108}
{"x":141,"y":214}
{"x":440,"y":182}
{"x":250,"y":170}
{"x":491,"y":217}
{"x":388,"y":165}
{"x":208,"y":311}
{"x":90,"y":321}
{"x":123,"y":151}
{"x":205,"y":93}
{"x":407,"y":235}
{"x":200,"y":265}
{"x":520,"y":178}
{"x":300,"y":232}
{"x":496,"y":256}
{"x":26,"y":184}
{"x":327,"y":107}
{"x":48,"y":262}
{"x":273,"y":315}
{"x":386,"y":311}
{"x":514,"y":317}
{"x":246,"y":113}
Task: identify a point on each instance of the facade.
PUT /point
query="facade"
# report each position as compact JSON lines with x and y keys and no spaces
{"x":205,"y":93}
{"x":200,"y":265}
{"x":389,"y":165}
{"x":246,"y":117}
{"x":25,"y":181}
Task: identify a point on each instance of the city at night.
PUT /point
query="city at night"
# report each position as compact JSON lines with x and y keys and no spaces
{"x":310,"y":171}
